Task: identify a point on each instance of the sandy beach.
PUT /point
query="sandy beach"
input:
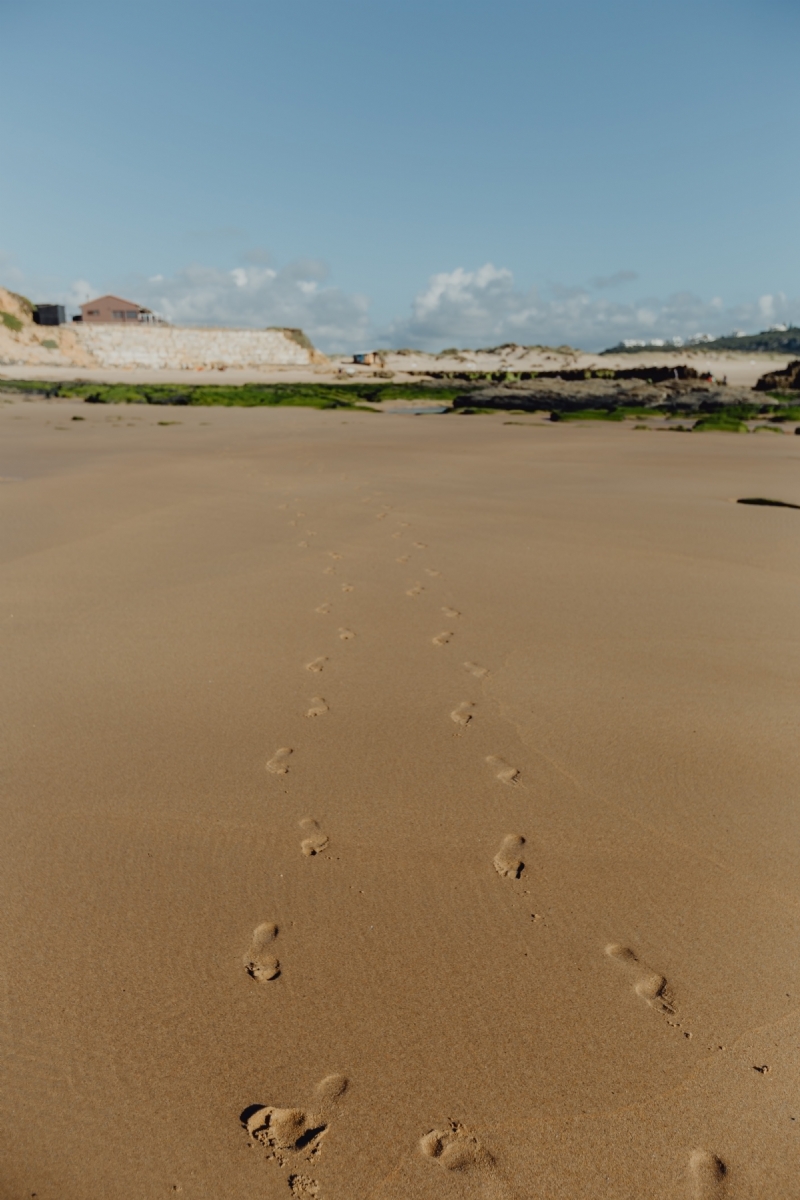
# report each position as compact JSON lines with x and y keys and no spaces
{"x":397,"y":808}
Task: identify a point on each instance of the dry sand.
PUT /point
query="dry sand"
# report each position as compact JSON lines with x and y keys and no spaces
{"x":285,"y":690}
{"x":741,"y":370}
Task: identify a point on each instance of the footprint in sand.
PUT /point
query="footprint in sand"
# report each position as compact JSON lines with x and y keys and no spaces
{"x":318,"y":707}
{"x":507,"y":861}
{"x":402,"y":559}
{"x":279,"y":763}
{"x":503,"y":770}
{"x":452,"y":613}
{"x":333,"y":554}
{"x":315,"y":840}
{"x":463,"y":713}
{"x":291,"y":1136}
{"x":398,"y":534}
{"x":303,"y":545}
{"x":706,"y":1176}
{"x":324,"y":609}
{"x":442,"y":639}
{"x":329,"y":570}
{"x":259,"y":963}
{"x":456,"y":1149}
{"x":420,"y":545}
{"x":316,"y":664}
{"x":435,"y":574}
{"x":416,"y":590}
{"x":648,"y":984}
{"x":381,"y":516}
{"x":346,"y":635}
{"x":475,"y":669}
{"x":347,"y":587}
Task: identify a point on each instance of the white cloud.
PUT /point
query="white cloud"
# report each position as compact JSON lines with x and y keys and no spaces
{"x":78,"y":293}
{"x":256,"y":296}
{"x":484,"y":307}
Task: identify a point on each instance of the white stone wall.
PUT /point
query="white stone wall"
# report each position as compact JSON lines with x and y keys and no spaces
{"x":162,"y":347}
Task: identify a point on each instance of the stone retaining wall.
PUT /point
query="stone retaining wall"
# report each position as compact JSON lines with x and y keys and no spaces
{"x":164,"y":347}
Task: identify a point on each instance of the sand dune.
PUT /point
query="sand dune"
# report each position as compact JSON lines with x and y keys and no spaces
{"x":397,"y":808}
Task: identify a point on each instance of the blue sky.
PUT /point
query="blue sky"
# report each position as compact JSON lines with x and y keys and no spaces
{"x":407,"y":173}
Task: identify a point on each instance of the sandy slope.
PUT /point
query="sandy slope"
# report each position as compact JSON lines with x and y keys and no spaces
{"x":618,"y":1021}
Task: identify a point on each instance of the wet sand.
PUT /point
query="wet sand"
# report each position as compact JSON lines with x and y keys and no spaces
{"x":397,"y":808}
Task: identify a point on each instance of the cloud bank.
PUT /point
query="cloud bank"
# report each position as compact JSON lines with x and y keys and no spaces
{"x":464,"y":307}
{"x":484,"y":307}
{"x":257,"y":295}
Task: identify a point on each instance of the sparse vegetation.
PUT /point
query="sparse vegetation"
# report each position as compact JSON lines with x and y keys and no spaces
{"x":10,"y":321}
{"x":25,"y":304}
{"x":314,"y":395}
{"x":296,"y":335}
{"x":720,"y":423}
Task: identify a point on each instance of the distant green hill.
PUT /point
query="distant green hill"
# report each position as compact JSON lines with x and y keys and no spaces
{"x":775,"y":341}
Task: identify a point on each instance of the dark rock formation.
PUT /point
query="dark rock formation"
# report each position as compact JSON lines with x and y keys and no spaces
{"x":781,"y":381}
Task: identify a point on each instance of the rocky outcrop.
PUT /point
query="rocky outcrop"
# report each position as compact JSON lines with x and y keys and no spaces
{"x":655,"y":374}
{"x":561,"y":395}
{"x":787,"y":380}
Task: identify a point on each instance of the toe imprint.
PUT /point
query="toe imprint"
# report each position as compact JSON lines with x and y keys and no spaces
{"x":463,"y":714}
{"x":507,"y":861}
{"x":258,"y":962}
{"x":443,"y":638}
{"x":303,"y":1187}
{"x":475,"y":670}
{"x":316,"y":664}
{"x":503,"y":770}
{"x":706,"y":1176}
{"x":318,"y":707}
{"x":648,"y":984}
{"x":315,"y":840}
{"x":279,"y":763}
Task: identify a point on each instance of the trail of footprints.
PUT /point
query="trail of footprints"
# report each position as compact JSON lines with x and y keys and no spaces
{"x":294,"y":1137}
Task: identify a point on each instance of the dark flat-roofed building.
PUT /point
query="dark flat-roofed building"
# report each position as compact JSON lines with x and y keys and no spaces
{"x":113,"y":310}
{"x":48,"y":314}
